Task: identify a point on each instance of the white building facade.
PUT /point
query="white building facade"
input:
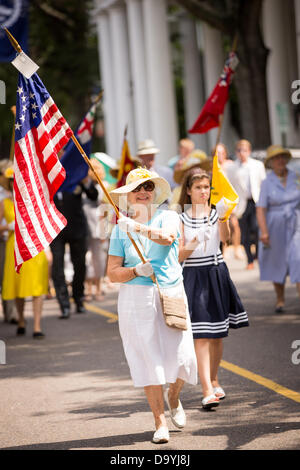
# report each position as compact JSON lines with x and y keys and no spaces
{"x":136,"y":73}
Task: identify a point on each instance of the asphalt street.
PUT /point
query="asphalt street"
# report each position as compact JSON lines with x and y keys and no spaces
{"x":73,"y":390}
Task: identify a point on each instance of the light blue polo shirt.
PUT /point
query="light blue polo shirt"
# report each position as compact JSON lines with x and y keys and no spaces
{"x":164,"y":259}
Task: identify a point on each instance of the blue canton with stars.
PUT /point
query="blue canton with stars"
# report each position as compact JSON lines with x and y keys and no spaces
{"x":31,"y":95}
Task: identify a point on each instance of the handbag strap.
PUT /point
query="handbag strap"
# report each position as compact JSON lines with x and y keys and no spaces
{"x":146,"y":257}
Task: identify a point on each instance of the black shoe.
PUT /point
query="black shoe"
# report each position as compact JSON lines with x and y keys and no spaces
{"x":279,"y":309}
{"x":65,"y":313}
{"x":21,"y":330}
{"x":38,"y":335}
{"x":80,"y":308}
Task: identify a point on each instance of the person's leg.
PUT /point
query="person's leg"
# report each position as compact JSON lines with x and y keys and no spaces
{"x":98,"y":269}
{"x":245,"y":235}
{"x":235,"y":236}
{"x":202,"y":351}
{"x":78,"y":249}
{"x":154,"y":394}
{"x":37,"y":305}
{"x":174,"y":392}
{"x":298,"y":288}
{"x":20,"y":311}
{"x":253,"y":226}
{"x":279,"y":290}
{"x":58,"y":273}
{"x":216,"y":353}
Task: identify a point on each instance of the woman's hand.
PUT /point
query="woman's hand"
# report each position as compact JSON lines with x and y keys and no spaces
{"x":144,"y":269}
{"x":264,"y":237}
{"x":126,"y":224}
{"x":221,"y":208}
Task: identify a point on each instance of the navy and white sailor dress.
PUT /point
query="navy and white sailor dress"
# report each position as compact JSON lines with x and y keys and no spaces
{"x":214,"y":303}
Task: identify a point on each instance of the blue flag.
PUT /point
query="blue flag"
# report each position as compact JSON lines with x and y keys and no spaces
{"x":72,"y":161}
{"x":14,"y":17}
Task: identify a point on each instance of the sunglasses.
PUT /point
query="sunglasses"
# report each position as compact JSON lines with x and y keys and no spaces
{"x":148,"y":186}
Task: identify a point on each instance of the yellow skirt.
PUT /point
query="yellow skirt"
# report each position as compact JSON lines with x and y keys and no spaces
{"x":32,"y":281}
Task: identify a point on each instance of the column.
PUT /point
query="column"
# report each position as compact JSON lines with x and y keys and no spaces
{"x":105,"y":60}
{"x":161,"y":94}
{"x":214,"y":59}
{"x":297,"y":21}
{"x":122,"y":78}
{"x":278,"y":83}
{"x":138,"y":69}
{"x":193,"y":81}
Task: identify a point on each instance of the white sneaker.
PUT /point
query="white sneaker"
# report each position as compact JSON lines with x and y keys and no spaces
{"x":177,"y":415}
{"x":161,"y":435}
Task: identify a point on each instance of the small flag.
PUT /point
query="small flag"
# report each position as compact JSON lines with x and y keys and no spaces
{"x":214,"y":106}
{"x":40,"y":133}
{"x":72,"y":161}
{"x":223,"y":195}
{"x":126,"y":164}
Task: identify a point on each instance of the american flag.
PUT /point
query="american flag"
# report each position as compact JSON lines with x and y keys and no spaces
{"x":40,"y":133}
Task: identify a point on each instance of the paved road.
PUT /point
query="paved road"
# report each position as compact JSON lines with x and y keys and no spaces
{"x":73,"y":389}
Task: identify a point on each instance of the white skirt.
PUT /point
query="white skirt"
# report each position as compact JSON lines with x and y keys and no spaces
{"x":156,"y":354}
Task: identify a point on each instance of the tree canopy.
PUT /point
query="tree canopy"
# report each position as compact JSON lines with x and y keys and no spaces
{"x":62,"y":41}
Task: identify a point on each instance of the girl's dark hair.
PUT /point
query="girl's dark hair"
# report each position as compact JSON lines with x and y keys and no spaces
{"x":191,"y":176}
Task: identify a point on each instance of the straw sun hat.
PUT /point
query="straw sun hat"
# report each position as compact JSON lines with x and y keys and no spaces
{"x":6,"y":177}
{"x":274,"y":151}
{"x":134,"y":179}
{"x":197,"y":158}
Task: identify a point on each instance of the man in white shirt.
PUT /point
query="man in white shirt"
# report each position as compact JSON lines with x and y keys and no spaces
{"x":146,"y":153}
{"x":246,"y":175}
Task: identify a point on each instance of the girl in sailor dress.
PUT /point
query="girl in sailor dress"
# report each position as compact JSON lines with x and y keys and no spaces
{"x":214,"y":303}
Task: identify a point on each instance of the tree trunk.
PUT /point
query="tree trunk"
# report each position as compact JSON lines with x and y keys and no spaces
{"x":250,"y":77}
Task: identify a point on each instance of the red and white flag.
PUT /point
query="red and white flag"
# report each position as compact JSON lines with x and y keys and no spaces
{"x":40,"y":133}
{"x":209,"y":116}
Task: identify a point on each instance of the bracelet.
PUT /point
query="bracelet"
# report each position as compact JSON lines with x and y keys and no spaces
{"x":222,"y":220}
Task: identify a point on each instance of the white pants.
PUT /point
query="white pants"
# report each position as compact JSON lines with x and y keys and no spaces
{"x":156,"y":354}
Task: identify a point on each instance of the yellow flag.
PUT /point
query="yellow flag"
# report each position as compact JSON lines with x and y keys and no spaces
{"x":223,"y":195}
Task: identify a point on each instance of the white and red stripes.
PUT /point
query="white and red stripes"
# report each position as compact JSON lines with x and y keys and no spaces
{"x":38,"y":175}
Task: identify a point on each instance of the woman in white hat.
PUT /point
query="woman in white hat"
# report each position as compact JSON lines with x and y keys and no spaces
{"x":278,"y":217}
{"x":156,"y":354}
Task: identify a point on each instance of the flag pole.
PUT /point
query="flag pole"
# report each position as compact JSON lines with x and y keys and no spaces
{"x":18,"y":48}
{"x":221,"y":118}
{"x":12,"y":145}
{"x":98,"y":97}
{"x":85,"y":157}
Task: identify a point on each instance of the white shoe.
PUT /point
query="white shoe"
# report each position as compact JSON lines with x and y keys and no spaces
{"x":161,"y":435}
{"x":209,"y":402}
{"x":219,"y":392}
{"x":177,"y":415}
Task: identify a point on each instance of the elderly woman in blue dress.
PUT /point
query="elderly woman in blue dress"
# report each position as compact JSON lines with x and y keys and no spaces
{"x":156,"y":354}
{"x":278,"y":216}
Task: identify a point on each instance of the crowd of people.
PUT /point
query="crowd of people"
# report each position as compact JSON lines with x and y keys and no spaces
{"x":183,"y":239}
